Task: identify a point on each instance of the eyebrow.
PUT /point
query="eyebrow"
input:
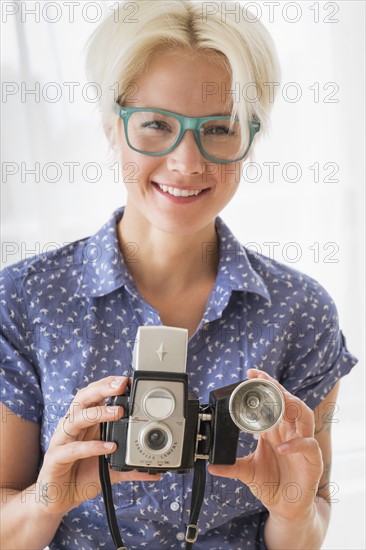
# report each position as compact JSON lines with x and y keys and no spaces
{"x":220,"y":114}
{"x":170,"y":111}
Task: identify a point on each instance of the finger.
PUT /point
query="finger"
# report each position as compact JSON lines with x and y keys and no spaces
{"x":296,"y":413}
{"x":96,"y":392}
{"x":78,"y":450}
{"x":308,"y":446}
{"x":243,"y":469}
{"x":300,"y":415}
{"x":71,"y":426}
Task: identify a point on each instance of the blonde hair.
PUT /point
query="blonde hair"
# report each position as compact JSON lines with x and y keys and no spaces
{"x":120,"y":49}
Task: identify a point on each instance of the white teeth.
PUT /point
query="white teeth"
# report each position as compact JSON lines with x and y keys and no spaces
{"x":180,"y":192}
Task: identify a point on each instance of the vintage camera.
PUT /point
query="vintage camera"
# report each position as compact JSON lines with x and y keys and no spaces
{"x":164,"y":426}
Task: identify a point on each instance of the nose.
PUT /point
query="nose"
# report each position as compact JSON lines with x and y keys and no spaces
{"x":186,"y":158}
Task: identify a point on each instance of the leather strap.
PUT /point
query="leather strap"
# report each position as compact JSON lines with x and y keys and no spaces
{"x":198,"y":491}
{"x":105,"y":482}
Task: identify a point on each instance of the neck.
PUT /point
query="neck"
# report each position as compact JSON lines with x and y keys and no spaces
{"x":161,"y":260}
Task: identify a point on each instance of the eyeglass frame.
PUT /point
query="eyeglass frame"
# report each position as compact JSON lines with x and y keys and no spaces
{"x":186,"y":123}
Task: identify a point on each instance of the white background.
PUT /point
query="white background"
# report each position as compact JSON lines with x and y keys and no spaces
{"x":314,"y":224}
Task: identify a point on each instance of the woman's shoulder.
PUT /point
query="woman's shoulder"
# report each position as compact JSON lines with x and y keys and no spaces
{"x":66,"y":261}
{"x":54,"y":263}
{"x":286,"y":281}
{"x":283,"y":283}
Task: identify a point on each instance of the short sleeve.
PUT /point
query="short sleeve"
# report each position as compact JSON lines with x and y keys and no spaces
{"x":20,"y":382}
{"x":320,"y":357}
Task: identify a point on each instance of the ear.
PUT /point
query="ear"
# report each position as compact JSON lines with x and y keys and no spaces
{"x":109,"y":134}
{"x":113,"y":133}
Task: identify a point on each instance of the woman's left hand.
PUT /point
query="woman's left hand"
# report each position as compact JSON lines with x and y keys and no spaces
{"x":285,"y":469}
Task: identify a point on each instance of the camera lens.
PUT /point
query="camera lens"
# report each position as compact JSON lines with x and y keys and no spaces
{"x":156,"y":438}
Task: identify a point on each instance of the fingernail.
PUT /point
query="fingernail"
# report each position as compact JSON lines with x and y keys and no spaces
{"x":282,"y":448}
{"x":108,"y":444}
{"x":117,"y":382}
{"x":112,"y":410}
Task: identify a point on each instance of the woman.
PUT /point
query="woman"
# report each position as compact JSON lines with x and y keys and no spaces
{"x":166,"y":258}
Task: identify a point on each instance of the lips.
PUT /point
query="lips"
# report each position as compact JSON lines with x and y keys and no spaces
{"x":178,"y":191}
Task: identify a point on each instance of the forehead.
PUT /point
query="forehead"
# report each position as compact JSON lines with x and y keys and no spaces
{"x":189,"y":85}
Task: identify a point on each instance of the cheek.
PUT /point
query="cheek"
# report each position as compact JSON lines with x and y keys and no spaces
{"x":125,"y":152}
{"x":230,"y":176}
{"x":130,"y":173}
{"x":130,"y":161}
{"x":136,"y":169}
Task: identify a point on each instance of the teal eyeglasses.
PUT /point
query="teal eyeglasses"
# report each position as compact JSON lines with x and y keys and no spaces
{"x":157,"y":132}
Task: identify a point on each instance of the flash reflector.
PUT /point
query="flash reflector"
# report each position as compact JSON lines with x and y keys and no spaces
{"x":256,"y":405}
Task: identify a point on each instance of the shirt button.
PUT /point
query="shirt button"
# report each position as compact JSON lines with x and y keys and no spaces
{"x":174,"y":506}
{"x":180,"y":536}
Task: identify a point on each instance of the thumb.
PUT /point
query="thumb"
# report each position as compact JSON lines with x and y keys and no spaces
{"x":243,"y":469}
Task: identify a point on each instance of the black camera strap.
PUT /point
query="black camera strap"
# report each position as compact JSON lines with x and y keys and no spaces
{"x":105,"y":481}
{"x":198,"y":491}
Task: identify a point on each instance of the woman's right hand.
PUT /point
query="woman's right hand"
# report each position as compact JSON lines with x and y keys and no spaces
{"x":70,"y":474}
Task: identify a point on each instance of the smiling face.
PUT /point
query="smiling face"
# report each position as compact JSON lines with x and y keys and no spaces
{"x":181,"y":192}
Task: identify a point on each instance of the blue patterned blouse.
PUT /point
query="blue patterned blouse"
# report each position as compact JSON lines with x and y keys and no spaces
{"x":70,"y":317}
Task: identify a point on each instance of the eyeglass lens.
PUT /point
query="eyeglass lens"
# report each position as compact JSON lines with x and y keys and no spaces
{"x":152,"y":132}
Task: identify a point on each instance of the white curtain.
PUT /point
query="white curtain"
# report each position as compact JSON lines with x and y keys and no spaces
{"x":300,"y":201}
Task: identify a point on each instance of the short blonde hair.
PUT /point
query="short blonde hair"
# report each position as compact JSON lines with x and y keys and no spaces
{"x":120,"y":49}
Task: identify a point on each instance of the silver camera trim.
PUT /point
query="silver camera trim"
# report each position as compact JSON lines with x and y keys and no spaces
{"x":158,"y":349}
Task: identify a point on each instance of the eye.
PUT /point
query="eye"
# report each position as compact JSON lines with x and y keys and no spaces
{"x":217,"y":130}
{"x":156,"y":125}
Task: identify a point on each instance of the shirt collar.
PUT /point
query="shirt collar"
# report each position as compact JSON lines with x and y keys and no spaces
{"x":104,"y":268}
{"x":235,"y":265}
{"x":235,"y":273}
